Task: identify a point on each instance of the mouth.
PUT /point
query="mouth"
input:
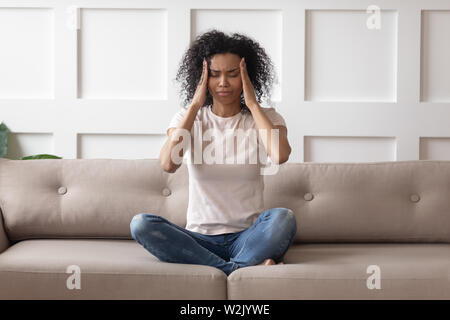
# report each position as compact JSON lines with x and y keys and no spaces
{"x":224,"y":93}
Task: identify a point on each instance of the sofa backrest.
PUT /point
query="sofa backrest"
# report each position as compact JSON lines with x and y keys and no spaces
{"x":403,"y":201}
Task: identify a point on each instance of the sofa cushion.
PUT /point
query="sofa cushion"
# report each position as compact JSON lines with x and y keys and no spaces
{"x":87,"y":198}
{"x":397,"y":201}
{"x":340,"y":271}
{"x":109,"y":269}
{"x":4,"y":242}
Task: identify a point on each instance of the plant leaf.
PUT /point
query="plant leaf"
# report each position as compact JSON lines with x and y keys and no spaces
{"x":41,"y":156}
{"x":3,"y":139}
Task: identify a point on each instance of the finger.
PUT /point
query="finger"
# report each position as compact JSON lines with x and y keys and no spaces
{"x":244,"y":68}
{"x":205,"y":72}
{"x":241,"y":64}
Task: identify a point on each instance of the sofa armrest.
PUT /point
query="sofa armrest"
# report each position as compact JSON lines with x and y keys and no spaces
{"x":4,"y":241}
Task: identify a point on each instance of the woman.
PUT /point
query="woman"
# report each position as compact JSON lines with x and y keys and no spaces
{"x":224,"y":78}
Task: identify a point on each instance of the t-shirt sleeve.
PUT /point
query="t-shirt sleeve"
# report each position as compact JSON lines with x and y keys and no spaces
{"x":174,"y":122}
{"x":276,"y":118}
{"x":176,"y":119}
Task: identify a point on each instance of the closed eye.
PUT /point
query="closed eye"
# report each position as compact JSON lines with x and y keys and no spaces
{"x":232,"y":75}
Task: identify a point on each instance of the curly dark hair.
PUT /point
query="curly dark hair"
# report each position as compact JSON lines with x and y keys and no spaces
{"x":259,"y":65}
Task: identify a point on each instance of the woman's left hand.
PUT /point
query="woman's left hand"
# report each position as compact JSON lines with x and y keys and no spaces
{"x":247,"y":86}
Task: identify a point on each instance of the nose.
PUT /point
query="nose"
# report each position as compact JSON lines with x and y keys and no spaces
{"x":223,"y":81}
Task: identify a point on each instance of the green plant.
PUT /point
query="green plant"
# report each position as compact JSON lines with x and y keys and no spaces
{"x":3,"y":139}
{"x":41,"y":156}
{"x":4,"y":146}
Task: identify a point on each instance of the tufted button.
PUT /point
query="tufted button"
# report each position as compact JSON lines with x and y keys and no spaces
{"x":166,"y":192}
{"x":308,"y":196}
{"x":62,"y":190}
{"x":414,"y":198}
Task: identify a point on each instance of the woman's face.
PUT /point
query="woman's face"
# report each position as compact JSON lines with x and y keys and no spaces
{"x":225,"y":76}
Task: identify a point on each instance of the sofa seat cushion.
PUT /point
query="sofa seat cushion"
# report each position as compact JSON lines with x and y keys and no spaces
{"x":109,"y":269}
{"x":340,"y":271}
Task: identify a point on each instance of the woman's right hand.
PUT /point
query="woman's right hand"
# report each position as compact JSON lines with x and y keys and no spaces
{"x":202,"y":87}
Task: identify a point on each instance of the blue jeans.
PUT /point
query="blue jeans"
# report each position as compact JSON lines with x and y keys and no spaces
{"x":269,"y":237}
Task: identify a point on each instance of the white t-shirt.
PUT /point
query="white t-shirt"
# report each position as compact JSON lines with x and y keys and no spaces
{"x":225,"y":192}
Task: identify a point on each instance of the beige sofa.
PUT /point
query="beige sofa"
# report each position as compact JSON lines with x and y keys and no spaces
{"x":365,"y":231}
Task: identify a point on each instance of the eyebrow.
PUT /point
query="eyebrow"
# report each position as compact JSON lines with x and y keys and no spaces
{"x":227,"y":71}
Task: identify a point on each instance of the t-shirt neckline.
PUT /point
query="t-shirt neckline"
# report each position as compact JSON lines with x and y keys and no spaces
{"x":222,"y":118}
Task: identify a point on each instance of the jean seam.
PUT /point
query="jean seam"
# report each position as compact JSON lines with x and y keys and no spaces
{"x":245,"y":242}
{"x":208,"y":240}
{"x":161,"y":219}
{"x":186,"y":231}
{"x":233,"y":264}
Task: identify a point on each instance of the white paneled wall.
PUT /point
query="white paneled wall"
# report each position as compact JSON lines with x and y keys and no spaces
{"x":338,"y":68}
{"x":95,"y":78}
{"x":435,"y":56}
{"x":26,"y":53}
{"x":122,"y":54}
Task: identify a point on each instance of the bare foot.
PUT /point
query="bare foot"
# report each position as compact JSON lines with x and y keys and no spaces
{"x":267,"y":262}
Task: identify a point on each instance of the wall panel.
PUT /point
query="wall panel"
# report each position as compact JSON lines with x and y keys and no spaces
{"x":356,"y":82}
